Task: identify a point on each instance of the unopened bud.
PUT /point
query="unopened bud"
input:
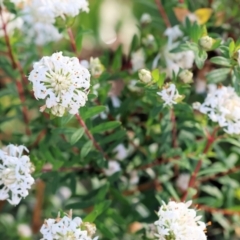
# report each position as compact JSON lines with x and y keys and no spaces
{"x":96,"y":67}
{"x":196,"y":105}
{"x":58,"y":110}
{"x":145,"y":76}
{"x":145,"y":18}
{"x":186,"y":76}
{"x":206,"y":42}
{"x":178,"y":98}
{"x":89,"y":227}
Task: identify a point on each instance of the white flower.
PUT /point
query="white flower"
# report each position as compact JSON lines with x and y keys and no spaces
{"x":170,"y":95}
{"x":68,"y":7}
{"x":145,"y":76}
{"x":222,"y":105}
{"x":178,"y":222}
{"x":138,"y":60}
{"x":24,"y":230}
{"x":113,"y":167}
{"x":173,"y":33}
{"x":67,"y":228}
{"x":10,"y":21}
{"x":175,"y":61}
{"x":15,"y":174}
{"x":145,"y":18}
{"x":62,"y":81}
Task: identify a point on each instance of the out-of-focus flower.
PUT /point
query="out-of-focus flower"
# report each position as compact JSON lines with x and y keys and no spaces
{"x":62,"y":81}
{"x":170,"y":95}
{"x":178,"y":222}
{"x":186,"y":76}
{"x":95,"y":66}
{"x":183,"y":181}
{"x":145,"y":18}
{"x":173,"y":33}
{"x":175,"y":61}
{"x":24,"y":230}
{"x":67,"y":228}
{"x":206,"y":42}
{"x":15,"y":174}
{"x":113,"y":167}
{"x":222,"y":105}
{"x":121,"y":152}
{"x":10,"y":21}
{"x":145,"y":76}
{"x":138,"y":60}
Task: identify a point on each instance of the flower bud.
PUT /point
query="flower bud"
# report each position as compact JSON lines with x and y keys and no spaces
{"x":89,"y":227}
{"x":206,"y":42}
{"x":145,"y":76}
{"x":8,"y":176}
{"x":196,"y":105}
{"x":145,"y":19}
{"x":96,"y":67}
{"x":186,"y":76}
{"x":58,"y":110}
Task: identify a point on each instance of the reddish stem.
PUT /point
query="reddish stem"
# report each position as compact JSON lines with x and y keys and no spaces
{"x":210,"y":141}
{"x":90,"y":136}
{"x":163,"y":13}
{"x":72,"y":41}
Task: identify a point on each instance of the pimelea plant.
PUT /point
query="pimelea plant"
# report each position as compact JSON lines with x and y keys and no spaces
{"x":125,"y":113}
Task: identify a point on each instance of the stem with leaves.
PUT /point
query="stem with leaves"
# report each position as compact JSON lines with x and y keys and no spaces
{"x":16,"y":65}
{"x":210,"y":140}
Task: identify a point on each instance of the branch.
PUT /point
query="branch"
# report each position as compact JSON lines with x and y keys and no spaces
{"x":90,"y":136}
{"x":72,"y":41}
{"x":210,"y":141}
{"x":163,"y":13}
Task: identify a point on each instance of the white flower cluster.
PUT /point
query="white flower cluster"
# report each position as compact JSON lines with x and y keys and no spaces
{"x":178,"y":222}
{"x":63,"y":81}
{"x":222,"y":105}
{"x":15,"y":174}
{"x":175,"y":61}
{"x":67,"y":228}
{"x":170,"y":94}
{"x":39,"y":17}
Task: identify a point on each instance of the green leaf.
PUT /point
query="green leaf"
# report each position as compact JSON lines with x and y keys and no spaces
{"x":102,"y":192}
{"x":105,"y":230}
{"x":155,"y":75}
{"x":105,"y":126}
{"x":218,"y":75}
{"x":87,"y":112}
{"x":231,"y":48}
{"x":79,"y":39}
{"x":86,"y":148}
{"x":117,"y":61}
{"x":76,"y":136}
{"x":98,"y":210}
{"x":221,"y":61}
{"x":65,"y":119}
{"x":200,"y":58}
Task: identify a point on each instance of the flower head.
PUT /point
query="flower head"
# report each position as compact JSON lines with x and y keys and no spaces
{"x":62,"y":81}
{"x":177,"y":222}
{"x":145,"y":18}
{"x":222,"y":105}
{"x":67,"y":228}
{"x":170,"y":94}
{"x":113,"y":167}
{"x":15,"y":174}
